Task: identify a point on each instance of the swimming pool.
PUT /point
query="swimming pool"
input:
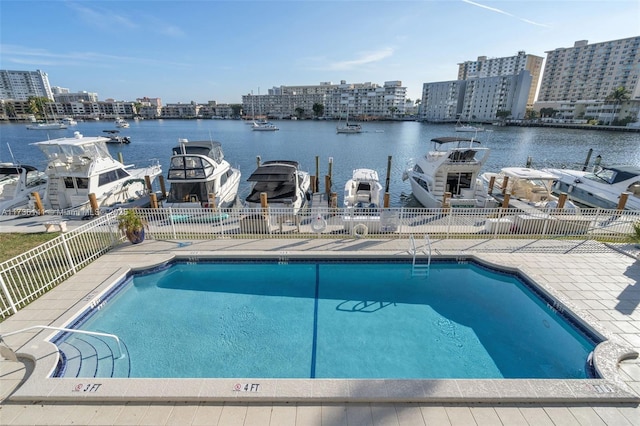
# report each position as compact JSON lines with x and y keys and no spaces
{"x":327,"y":319}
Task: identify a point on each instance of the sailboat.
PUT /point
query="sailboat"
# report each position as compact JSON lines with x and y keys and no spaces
{"x":46,"y":125}
{"x":347,"y":127}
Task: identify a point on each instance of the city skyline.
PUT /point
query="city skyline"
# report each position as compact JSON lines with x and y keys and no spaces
{"x":220,"y":50}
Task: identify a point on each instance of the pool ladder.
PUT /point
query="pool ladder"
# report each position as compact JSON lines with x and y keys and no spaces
{"x":420,"y":269}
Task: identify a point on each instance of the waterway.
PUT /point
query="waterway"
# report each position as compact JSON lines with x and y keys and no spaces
{"x":304,"y":140}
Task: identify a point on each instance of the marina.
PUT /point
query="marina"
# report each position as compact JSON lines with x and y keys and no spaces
{"x":304,"y":140}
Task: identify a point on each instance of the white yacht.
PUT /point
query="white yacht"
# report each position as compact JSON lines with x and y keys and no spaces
{"x":43,"y":125}
{"x":530,"y":186}
{"x":601,"y":187}
{"x":69,"y":121}
{"x":122,"y":123}
{"x":453,"y":167}
{"x":200,"y":176}
{"x":363,"y":190}
{"x":264,"y":127}
{"x":284,"y":184}
{"x":79,"y":166}
{"x":17,"y":182}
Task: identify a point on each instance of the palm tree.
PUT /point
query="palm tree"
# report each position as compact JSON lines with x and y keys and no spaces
{"x":619,"y":95}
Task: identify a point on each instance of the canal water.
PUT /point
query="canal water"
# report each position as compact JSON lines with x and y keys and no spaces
{"x":304,"y":140}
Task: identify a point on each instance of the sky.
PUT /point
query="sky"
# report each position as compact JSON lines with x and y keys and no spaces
{"x":208,"y":50}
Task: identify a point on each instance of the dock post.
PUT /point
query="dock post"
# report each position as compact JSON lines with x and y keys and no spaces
{"x":586,"y":162}
{"x":153,"y":201}
{"x":94,"y":204}
{"x":492,"y":182}
{"x":623,"y":200}
{"x":163,"y":188}
{"x":315,"y":183}
{"x":505,"y":201}
{"x":505,"y":182}
{"x":562,"y":199}
{"x":38,"y":203}
{"x":147,"y":181}
{"x":120,"y":158}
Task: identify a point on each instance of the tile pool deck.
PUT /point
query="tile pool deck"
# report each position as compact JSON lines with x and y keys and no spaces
{"x":599,"y":284}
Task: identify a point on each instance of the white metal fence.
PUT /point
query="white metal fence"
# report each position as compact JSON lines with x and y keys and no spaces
{"x":27,"y":276}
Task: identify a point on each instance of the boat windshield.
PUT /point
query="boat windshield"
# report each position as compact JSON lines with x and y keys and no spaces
{"x":603,"y":175}
{"x":189,"y":167}
{"x":91,"y":150}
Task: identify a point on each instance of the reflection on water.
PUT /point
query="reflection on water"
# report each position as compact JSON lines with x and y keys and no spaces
{"x":303,"y":140}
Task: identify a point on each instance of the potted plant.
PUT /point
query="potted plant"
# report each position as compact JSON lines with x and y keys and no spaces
{"x":132,"y":225}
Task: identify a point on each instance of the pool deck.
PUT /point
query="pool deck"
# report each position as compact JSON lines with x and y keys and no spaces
{"x":599,"y":284}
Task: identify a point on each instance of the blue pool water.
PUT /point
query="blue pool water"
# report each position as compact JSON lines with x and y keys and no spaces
{"x":328,"y":319}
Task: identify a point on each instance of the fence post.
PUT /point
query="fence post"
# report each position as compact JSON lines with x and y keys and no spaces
{"x":173,"y":225}
{"x":68,"y":253}
{"x":7,"y":296}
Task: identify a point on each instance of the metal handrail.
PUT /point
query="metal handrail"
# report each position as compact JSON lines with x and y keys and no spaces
{"x":68,"y":330}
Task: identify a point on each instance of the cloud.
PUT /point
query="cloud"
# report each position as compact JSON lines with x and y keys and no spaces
{"x":363,"y":59}
{"x":39,"y":56}
{"x":108,"y":20}
{"x":493,"y":9}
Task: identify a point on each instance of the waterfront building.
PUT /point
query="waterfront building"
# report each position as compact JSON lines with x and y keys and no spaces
{"x":442,"y":101}
{"x":20,"y":85}
{"x":476,"y":99}
{"x":180,"y":110}
{"x":362,"y":101}
{"x":510,"y":65}
{"x":577,"y":81}
{"x":67,"y":96}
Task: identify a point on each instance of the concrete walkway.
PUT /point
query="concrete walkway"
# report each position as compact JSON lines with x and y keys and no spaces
{"x":597,"y":283}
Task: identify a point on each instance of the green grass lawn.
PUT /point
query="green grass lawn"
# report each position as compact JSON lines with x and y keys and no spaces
{"x":12,"y":245}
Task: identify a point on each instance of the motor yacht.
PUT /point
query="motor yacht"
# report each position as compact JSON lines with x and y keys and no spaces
{"x":17,"y":183}
{"x":121,"y":122}
{"x":601,"y":187}
{"x":530,"y":186}
{"x":284,"y":184}
{"x":264,"y":127}
{"x":199,"y":176}
{"x":452,"y":167}
{"x":79,"y":166}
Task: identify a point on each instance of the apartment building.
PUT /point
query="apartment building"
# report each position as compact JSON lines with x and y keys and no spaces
{"x":591,"y":71}
{"x":510,"y":65}
{"x":578,"y":80}
{"x":75,"y":97}
{"x":20,"y":85}
{"x":476,"y":99}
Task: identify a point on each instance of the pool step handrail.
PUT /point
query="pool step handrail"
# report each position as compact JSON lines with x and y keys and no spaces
{"x":68,"y":330}
{"x":420,"y":269}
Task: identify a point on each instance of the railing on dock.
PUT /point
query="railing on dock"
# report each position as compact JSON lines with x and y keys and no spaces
{"x":26,"y":277}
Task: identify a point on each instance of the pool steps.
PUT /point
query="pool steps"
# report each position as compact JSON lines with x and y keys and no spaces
{"x":420,"y":269}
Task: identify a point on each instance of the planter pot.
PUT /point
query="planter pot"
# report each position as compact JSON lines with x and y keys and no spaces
{"x":136,"y":237}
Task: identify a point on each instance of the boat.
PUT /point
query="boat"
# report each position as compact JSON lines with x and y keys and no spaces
{"x":69,"y":121}
{"x":199,"y":176}
{"x":121,"y":122}
{"x":469,"y":128}
{"x":79,"y":166}
{"x":601,"y":187}
{"x":115,"y":138}
{"x":525,"y":185}
{"x":284,"y":184}
{"x":264,"y":127}
{"x":451,"y":167}
{"x":17,"y":183}
{"x":44,"y":125}
{"x":348,"y":128}
{"x":363,"y":190}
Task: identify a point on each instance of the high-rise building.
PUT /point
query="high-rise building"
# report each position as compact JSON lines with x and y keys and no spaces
{"x":591,"y":71}
{"x":20,"y":85}
{"x":499,"y":67}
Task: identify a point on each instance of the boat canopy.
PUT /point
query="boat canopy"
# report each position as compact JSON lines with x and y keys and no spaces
{"x":450,"y":139}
